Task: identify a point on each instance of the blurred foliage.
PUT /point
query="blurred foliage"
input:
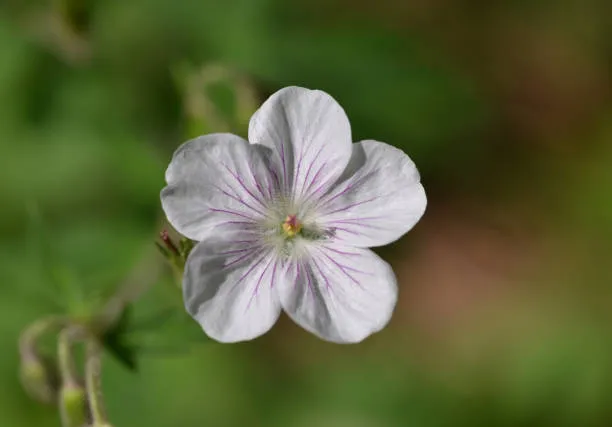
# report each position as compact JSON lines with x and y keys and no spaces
{"x":504,"y":106}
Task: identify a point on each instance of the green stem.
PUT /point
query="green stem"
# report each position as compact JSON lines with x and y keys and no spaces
{"x":93,"y":383}
{"x":73,"y":411}
{"x":65,"y":356}
{"x":177,"y":272}
{"x":29,"y":337}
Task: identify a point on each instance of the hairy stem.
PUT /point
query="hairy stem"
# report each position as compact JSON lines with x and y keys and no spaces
{"x":93,"y":383}
{"x":72,"y":399}
{"x":65,"y":356}
{"x":29,"y":337}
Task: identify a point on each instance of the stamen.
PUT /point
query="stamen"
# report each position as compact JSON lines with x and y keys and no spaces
{"x":291,"y":226}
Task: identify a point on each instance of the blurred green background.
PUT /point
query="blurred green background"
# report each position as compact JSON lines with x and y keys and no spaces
{"x":505,"y":106}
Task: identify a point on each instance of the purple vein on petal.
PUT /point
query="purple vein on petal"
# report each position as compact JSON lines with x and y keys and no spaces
{"x":254,"y":293}
{"x":273,"y":183}
{"x":231,"y":212}
{"x":255,"y":264}
{"x":257,"y":184}
{"x":328,"y":286}
{"x":245,"y":226}
{"x":342,"y":252}
{"x":310,"y":194}
{"x":239,"y":200}
{"x":297,"y":172}
{"x":245,"y":241}
{"x":314,"y":160}
{"x":238,"y":251}
{"x":357,"y":223}
{"x":361,"y":218}
{"x":297,"y":272}
{"x":309,"y":282}
{"x":283,"y":161}
{"x":239,"y":259}
{"x":347,"y":267}
{"x":323,"y":185}
{"x":304,"y":150}
{"x":242,"y":184}
{"x":348,"y":186}
{"x":325,"y":278}
{"x":342,"y":269}
{"x":352,"y":205}
{"x":349,"y":231}
{"x":271,"y":189}
{"x":273,"y":273}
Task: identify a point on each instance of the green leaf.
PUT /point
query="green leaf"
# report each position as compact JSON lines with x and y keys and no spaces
{"x":168,"y":331}
{"x":116,"y":342}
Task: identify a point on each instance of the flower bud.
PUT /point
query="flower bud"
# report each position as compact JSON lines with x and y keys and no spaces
{"x":176,"y":254}
{"x":170,"y":246}
{"x":39,"y":378}
{"x":73,"y":405}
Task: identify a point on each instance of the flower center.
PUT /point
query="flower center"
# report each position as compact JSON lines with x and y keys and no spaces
{"x":291,"y":226}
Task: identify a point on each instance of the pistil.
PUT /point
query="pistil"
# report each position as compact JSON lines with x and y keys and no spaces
{"x":291,"y":226}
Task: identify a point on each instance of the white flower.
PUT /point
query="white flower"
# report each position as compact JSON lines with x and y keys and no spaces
{"x":284,"y":222}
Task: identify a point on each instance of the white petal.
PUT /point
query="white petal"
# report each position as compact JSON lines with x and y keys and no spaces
{"x":228,"y":288}
{"x":340,"y":294}
{"x":311,"y":137}
{"x":217,"y":180}
{"x":380,"y":199}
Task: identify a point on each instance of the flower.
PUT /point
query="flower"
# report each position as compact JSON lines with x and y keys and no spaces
{"x":284,"y":222}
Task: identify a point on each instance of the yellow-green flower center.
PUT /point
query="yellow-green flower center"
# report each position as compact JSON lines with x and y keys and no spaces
{"x":291,"y":226}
